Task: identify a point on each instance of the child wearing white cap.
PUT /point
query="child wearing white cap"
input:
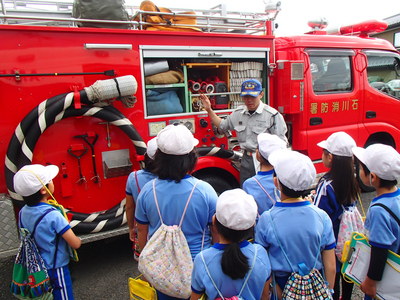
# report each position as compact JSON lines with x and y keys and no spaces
{"x":338,"y":190}
{"x":176,"y":158}
{"x":261,"y":186}
{"x":35,"y":184}
{"x":233,"y":266}
{"x":297,"y":235}
{"x":135,"y":182}
{"x":380,"y":168}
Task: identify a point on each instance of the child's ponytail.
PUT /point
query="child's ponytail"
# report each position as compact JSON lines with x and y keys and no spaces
{"x":343,"y":179}
{"x":234,"y":263}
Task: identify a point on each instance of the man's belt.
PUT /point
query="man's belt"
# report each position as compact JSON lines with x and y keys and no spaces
{"x":249,"y":153}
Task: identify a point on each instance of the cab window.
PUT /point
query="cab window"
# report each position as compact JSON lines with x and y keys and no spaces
{"x":330,"y":74}
{"x":384,"y":72}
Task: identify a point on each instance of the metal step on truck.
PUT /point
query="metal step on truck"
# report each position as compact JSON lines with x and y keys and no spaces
{"x":86,"y":92}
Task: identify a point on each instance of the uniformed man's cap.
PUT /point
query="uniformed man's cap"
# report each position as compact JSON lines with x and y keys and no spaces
{"x":251,"y":87}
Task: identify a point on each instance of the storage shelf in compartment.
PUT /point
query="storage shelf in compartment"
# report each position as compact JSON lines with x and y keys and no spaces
{"x":215,"y":94}
{"x":161,"y":86}
{"x":211,"y":65}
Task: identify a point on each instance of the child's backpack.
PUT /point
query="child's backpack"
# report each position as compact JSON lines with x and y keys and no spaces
{"x":351,"y":221}
{"x":305,"y":284}
{"x":166,"y":261}
{"x":30,"y":279}
{"x":238,"y":297}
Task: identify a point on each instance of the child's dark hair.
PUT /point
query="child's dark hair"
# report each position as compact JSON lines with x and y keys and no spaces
{"x":33,"y":199}
{"x":343,"y":180}
{"x":289,"y":192}
{"x":263,"y":161}
{"x":149,"y":164}
{"x":384,"y":183}
{"x":174,"y":167}
{"x":233,"y":262}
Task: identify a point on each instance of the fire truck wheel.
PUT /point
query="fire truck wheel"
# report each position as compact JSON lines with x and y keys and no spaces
{"x":218,"y":183}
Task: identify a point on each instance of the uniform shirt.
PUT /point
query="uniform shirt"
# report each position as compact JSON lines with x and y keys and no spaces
{"x":172,"y":198}
{"x":304,"y":231}
{"x":132,"y":188}
{"x":251,"y":187}
{"x":325,"y":198}
{"x":201,"y":282}
{"x":249,"y":126}
{"x":51,"y":227}
{"x":384,"y":232}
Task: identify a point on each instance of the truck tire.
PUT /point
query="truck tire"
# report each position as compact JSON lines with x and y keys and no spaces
{"x":218,"y":183}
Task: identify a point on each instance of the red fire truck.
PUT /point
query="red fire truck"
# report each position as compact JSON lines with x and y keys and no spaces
{"x":66,"y":96}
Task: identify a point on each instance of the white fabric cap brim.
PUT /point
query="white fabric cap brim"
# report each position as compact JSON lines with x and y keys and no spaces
{"x":30,"y":179}
{"x":360,"y":154}
{"x":236,"y":209}
{"x":323,"y":145}
{"x":151,"y":148}
{"x":382,"y":160}
{"x":293,"y":169}
{"x":52,"y":172}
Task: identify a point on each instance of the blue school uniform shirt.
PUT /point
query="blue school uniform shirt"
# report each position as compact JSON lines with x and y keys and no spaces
{"x":304,"y":231}
{"x":172,"y":198}
{"x":325,"y":198}
{"x":383,"y":230}
{"x":132,"y":188}
{"x":266,"y":179}
{"x":51,"y":227}
{"x":201,"y":282}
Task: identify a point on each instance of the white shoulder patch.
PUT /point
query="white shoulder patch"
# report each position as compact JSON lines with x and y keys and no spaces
{"x":270,"y":109}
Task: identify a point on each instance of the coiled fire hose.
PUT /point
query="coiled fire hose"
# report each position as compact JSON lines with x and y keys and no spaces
{"x":97,"y":98}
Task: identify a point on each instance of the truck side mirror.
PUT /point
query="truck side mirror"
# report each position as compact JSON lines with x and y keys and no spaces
{"x":396,"y":65}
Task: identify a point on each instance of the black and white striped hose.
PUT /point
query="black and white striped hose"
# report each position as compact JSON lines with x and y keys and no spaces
{"x":52,"y":110}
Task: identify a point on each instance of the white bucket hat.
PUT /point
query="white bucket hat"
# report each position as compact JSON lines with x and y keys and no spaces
{"x":151,"y":147}
{"x":383,"y":160}
{"x":268,"y":143}
{"x":31,"y":178}
{"x":295,"y":170}
{"x":176,"y":140}
{"x":236,"y":209}
{"x":339,"y":143}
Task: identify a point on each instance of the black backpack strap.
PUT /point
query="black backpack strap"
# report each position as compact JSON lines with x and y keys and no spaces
{"x":389,"y":211}
{"x":39,"y":220}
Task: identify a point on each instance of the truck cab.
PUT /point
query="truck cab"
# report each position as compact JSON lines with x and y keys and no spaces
{"x":337,"y":83}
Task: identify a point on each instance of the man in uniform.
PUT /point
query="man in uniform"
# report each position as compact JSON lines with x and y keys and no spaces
{"x":249,"y":121}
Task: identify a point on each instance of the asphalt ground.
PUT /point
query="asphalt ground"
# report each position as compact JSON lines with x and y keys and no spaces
{"x":104,"y":268}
